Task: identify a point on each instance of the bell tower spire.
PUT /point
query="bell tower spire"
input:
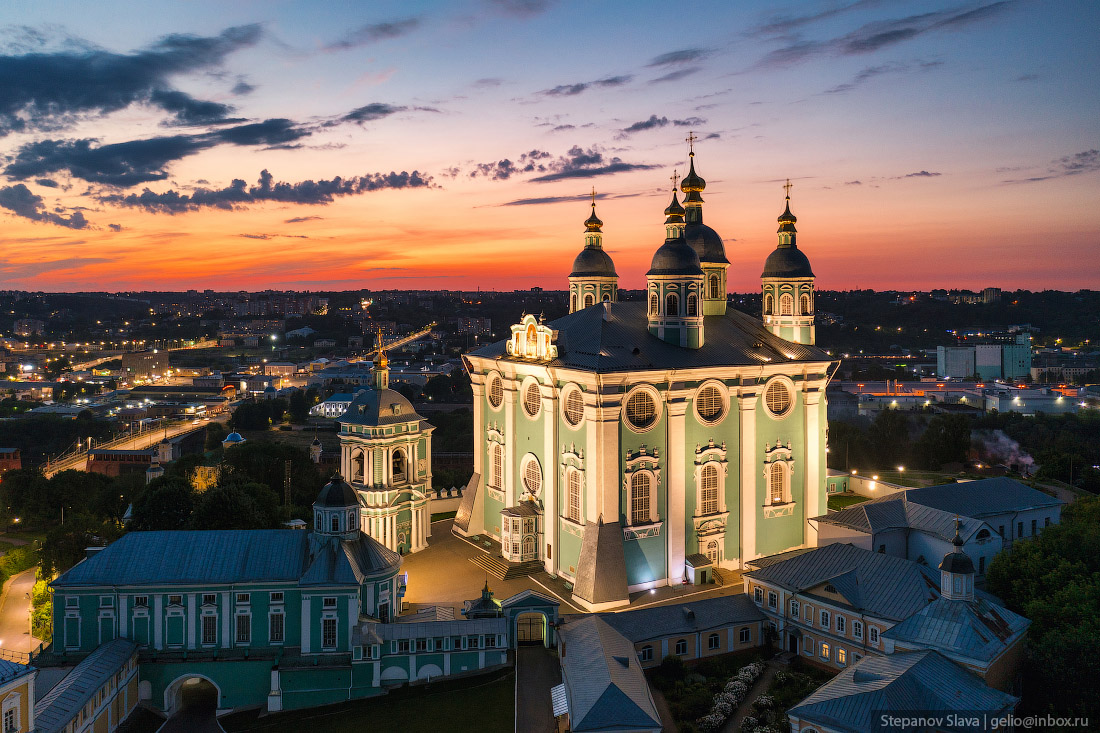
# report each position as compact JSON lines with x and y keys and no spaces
{"x":788,"y":283}
{"x":381,"y":370}
{"x":593,"y":278}
{"x":704,"y":240}
{"x":674,"y":284}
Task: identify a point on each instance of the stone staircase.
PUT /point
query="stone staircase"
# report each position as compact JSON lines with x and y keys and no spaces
{"x":719,"y":579}
{"x":502,"y":570}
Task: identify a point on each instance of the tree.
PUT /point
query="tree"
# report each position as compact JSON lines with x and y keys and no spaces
{"x":264,"y":462}
{"x":236,"y":506}
{"x":890,"y":439}
{"x":66,"y":544}
{"x":299,"y":408}
{"x":215,"y":434}
{"x":167,"y":503}
{"x":945,"y":440}
{"x":1054,"y":580}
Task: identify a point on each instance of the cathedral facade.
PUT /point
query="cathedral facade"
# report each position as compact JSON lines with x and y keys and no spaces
{"x":636,"y":444}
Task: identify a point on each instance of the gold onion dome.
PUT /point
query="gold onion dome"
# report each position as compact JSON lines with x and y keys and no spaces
{"x":593,"y":222}
{"x":674,"y":210}
{"x":787,"y":219}
{"x":692,"y":181}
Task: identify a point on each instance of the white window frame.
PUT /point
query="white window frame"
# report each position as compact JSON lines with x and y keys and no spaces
{"x":652,"y":516}
{"x":841,"y":623}
{"x":325,"y":618}
{"x":857,"y":629}
{"x":271,"y":627}
{"x":645,"y":654}
{"x":525,"y":387}
{"x":684,"y":644}
{"x":872,"y":635}
{"x":657,"y":409}
{"x":237,"y":628}
{"x":202,"y":629}
{"x":824,"y":617}
{"x":795,"y":608}
{"x":758,"y":595}
{"x":568,"y":392}
{"x":744,"y":635}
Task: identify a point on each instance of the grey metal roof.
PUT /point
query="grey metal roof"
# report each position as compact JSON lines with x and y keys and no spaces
{"x":610,"y":337}
{"x":603,"y":679}
{"x":336,"y":493}
{"x":56,"y":709}
{"x":428,"y":629}
{"x":675,"y":257}
{"x":593,"y":262}
{"x":372,"y":407}
{"x":982,"y":498}
{"x":601,"y":568}
{"x":9,"y":670}
{"x":880,"y":585}
{"x":225,"y":557}
{"x":899,"y":512}
{"x":922,"y":681}
{"x":656,"y":622}
{"x":706,"y":242}
{"x":787,"y":261}
{"x":978,"y":629}
{"x":523,"y":509}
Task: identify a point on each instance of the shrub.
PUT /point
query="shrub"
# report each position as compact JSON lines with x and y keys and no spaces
{"x":737,"y":687}
{"x":764,"y":702}
{"x":749,"y":723}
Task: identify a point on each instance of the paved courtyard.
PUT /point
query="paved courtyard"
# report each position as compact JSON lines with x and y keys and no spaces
{"x":443,"y":575}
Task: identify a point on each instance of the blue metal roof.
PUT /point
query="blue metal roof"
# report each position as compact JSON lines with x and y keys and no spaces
{"x":656,"y":622}
{"x":58,"y":707}
{"x":979,"y":630}
{"x":10,"y":670}
{"x":922,"y":681}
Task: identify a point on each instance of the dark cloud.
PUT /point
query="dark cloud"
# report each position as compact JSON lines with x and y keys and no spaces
{"x":880,"y":34}
{"x":581,"y":163}
{"x":676,"y":75}
{"x":652,"y":123}
{"x":873,"y":71}
{"x":300,"y":219}
{"x":853,"y":183}
{"x":1086,"y":161}
{"x":502,"y":170}
{"x":48,"y":183}
{"x":690,"y":122}
{"x":569,"y":90}
{"x":1027,"y":77}
{"x":278,"y":131}
{"x":375,"y":32}
{"x":242,"y":87}
{"x":238,"y":195}
{"x":117,"y":164}
{"x":520,"y":8}
{"x":115,"y":227}
{"x":539,"y":200}
{"x":45,"y":91}
{"x":21,"y":201}
{"x":562,"y":128}
{"x":371,"y":112}
{"x":488,"y":83}
{"x":921,"y":174}
{"x":784,"y":24}
{"x":679,"y":58}
{"x":191,"y":111}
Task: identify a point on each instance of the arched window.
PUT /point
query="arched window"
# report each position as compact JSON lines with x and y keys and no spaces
{"x":532,"y":477}
{"x":572,"y":302}
{"x":399,"y":465}
{"x":769,"y":304}
{"x":672,"y":304}
{"x":804,"y":305}
{"x":639,"y":498}
{"x":777,"y":483}
{"x":573,"y":504}
{"x":786,"y":304}
{"x":693,"y":306}
{"x":532,"y":340}
{"x":607,"y":297}
{"x":357,"y":461}
{"x":496,"y":478}
{"x":317,"y":523}
{"x":653,"y":304}
{"x":712,"y":551}
{"x":708,"y":490}
{"x":589,"y":300}
{"x":983,"y":534}
{"x":335,"y":523}
{"x":715,"y":287}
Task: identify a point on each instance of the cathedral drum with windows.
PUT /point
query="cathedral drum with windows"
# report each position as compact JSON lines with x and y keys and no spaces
{"x":628,"y":444}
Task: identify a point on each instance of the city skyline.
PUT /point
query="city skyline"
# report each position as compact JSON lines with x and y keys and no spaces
{"x":434,"y":145}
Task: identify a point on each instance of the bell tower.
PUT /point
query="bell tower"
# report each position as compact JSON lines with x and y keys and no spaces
{"x":674,"y":286}
{"x":788,"y":284}
{"x":593,"y":278}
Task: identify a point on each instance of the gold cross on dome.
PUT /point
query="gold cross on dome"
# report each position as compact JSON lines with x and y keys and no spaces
{"x":787,"y":187}
{"x":674,"y":178}
{"x":691,"y":138}
{"x":593,"y":195}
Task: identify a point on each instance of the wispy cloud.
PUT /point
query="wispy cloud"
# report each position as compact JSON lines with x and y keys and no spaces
{"x":581,"y":163}
{"x":375,"y":32}
{"x":300,"y":219}
{"x":520,"y":8}
{"x":922,"y":174}
{"x":533,"y":161}
{"x":570,"y":90}
{"x":681,"y":57}
{"x":1087,"y":161}
{"x":676,"y":75}
{"x":654,"y":122}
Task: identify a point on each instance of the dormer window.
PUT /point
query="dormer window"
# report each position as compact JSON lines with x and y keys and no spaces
{"x":396,"y":408}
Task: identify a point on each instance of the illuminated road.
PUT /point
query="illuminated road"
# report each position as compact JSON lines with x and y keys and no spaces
{"x":147,"y":439}
{"x":15,"y":614}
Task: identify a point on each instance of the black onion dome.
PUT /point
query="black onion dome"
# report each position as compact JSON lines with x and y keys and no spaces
{"x":692,"y":181}
{"x":337,"y":493}
{"x":593,"y":222}
{"x":706,"y":242}
{"x":675,"y":257}
{"x":787,"y":261}
{"x":957,"y":562}
{"x":593,"y":262}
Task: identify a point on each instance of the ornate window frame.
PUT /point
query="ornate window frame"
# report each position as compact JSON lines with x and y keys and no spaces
{"x":786,"y":304}
{"x":646,"y":464}
{"x":525,"y":386}
{"x":711,"y":455}
{"x":572,"y":463}
{"x":494,"y":439}
{"x":781,"y":455}
{"x":723,"y":390}
{"x":524,"y":463}
{"x":563,"y":397}
{"x":489,"y":379}
{"x":657,"y":408}
{"x":792,"y":391}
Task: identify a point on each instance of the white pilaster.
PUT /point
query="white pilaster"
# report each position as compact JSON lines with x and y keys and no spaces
{"x":747,"y":411}
{"x":814,"y":480}
{"x":227,"y":619}
{"x":510,"y":407}
{"x":305,"y":625}
{"x":550,"y":516}
{"x":675,"y":478}
{"x":191,"y":608}
{"x":158,"y":621}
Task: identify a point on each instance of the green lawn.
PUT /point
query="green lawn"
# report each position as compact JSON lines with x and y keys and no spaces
{"x":915,"y":479}
{"x":485,"y":703}
{"x":842,"y":501}
{"x":443,"y":515}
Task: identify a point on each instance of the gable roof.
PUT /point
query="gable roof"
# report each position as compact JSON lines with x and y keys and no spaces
{"x":979,"y":629}
{"x":215,"y":557}
{"x":603,"y":679}
{"x":881,"y":585}
{"x":611,"y":337}
{"x":684,"y":618}
{"x":981,"y":498}
{"x":57,"y":708}
{"x":898,"y":512}
{"x":926,"y":681}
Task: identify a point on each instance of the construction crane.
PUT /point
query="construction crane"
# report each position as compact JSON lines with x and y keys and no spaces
{"x":398,"y":342}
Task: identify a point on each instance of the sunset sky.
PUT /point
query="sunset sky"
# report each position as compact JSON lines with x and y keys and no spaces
{"x":342,"y":145}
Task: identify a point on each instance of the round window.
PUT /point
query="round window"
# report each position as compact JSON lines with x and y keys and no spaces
{"x":777,"y":398}
{"x":641,"y":410}
{"x":709,"y":403}
{"x":532,"y":399}
{"x":574,"y":407}
{"x":496,"y":390}
{"x":532,"y":477}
